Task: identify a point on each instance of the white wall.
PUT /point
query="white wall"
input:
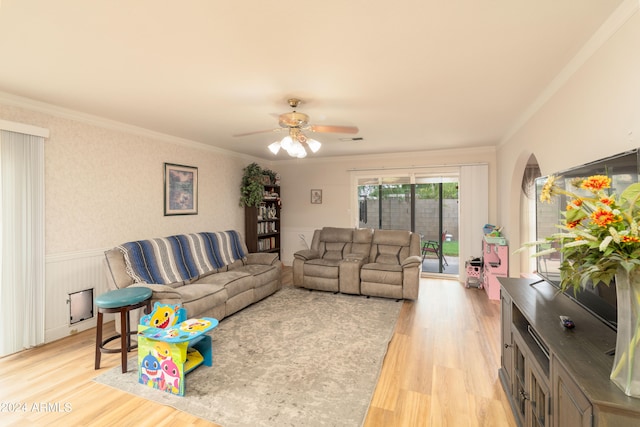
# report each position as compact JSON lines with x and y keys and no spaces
{"x":333,"y":176}
{"x":596,"y":113}
{"x":104,"y":186}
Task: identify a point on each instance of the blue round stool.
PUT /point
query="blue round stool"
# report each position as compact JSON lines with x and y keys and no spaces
{"x":120,"y":301}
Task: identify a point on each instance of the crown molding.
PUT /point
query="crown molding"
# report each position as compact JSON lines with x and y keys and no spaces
{"x":65,"y":113}
{"x":23,"y":128}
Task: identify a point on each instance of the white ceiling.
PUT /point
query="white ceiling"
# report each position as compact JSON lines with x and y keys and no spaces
{"x":411,"y":74}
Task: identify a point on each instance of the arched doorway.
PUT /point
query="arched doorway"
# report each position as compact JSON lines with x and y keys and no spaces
{"x":528,"y":211}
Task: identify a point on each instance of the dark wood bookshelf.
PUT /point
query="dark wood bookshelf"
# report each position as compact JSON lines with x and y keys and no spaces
{"x":262,"y":223}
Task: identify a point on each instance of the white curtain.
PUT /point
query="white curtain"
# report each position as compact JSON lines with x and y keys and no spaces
{"x":22,"y":288}
{"x":474,"y":211}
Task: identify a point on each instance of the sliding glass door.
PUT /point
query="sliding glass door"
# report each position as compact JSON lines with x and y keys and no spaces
{"x":438,"y":223}
{"x":427,"y":205}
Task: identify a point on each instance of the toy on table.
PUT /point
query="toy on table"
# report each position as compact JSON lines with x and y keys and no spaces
{"x":169,"y":347}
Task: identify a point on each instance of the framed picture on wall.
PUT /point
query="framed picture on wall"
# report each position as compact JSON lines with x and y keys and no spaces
{"x":180,"y":190}
{"x":316,"y":197}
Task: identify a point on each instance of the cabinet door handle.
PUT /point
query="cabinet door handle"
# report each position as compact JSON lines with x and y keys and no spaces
{"x":508,"y":345}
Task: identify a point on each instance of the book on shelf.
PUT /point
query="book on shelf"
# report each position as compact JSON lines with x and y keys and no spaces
{"x":267,"y":227}
{"x":267,"y":244}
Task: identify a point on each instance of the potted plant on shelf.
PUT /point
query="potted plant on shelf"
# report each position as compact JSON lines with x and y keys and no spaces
{"x":600,"y":240}
{"x":252,"y":187}
{"x":271,"y":174}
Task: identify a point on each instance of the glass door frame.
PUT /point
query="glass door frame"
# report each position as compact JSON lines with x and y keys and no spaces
{"x":386,"y":176}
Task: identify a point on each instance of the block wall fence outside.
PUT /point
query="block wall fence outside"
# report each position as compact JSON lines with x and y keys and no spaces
{"x":427,"y":212}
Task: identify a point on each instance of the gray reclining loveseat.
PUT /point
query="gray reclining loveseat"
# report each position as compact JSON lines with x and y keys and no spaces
{"x":383,"y":263}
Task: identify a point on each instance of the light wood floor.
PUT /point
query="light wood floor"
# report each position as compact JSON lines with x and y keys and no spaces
{"x":441,"y":370}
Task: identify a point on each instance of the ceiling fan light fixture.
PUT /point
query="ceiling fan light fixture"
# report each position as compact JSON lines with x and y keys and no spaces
{"x":286,"y":143}
{"x":297,"y":150}
{"x":293,"y":146}
{"x":296,"y":123}
{"x":301,"y":153}
{"x":313,"y":145}
{"x":274,"y":147}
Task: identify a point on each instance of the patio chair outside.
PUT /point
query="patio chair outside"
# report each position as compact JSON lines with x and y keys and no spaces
{"x":435,"y":247}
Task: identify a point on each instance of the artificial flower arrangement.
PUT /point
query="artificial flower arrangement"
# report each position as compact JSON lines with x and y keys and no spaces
{"x":599,"y":232}
{"x":599,"y":240}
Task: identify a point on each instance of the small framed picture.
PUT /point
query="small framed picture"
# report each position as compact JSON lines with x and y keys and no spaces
{"x":316,"y":196}
{"x":180,"y":190}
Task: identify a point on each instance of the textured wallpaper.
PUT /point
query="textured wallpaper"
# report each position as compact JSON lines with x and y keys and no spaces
{"x":105,"y":186}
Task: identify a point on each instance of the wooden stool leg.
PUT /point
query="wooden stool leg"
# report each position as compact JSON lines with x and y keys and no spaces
{"x":98,"y":339}
{"x":125,"y":332}
{"x":124,"y":336}
{"x":129,"y":348}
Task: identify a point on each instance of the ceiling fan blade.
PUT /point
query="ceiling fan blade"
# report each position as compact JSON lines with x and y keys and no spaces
{"x":256,"y":132}
{"x":334,"y":129}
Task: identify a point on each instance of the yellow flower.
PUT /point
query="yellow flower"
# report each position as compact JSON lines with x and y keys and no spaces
{"x":574,"y":204}
{"x":603,"y":218}
{"x":573,"y":224}
{"x":607,"y":201}
{"x":630,"y":239}
{"x":596,"y":182}
{"x":547,"y":189}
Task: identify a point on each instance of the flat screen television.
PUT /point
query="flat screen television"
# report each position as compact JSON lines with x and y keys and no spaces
{"x":623,"y":169}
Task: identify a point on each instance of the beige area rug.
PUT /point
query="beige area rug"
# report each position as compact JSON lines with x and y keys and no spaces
{"x":297,"y":358}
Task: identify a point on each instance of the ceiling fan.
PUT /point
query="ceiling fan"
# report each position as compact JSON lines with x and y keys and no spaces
{"x":295,"y":123}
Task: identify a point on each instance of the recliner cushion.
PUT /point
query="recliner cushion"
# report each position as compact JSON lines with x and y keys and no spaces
{"x":362,"y":241}
{"x":382,"y":273}
{"x":262,"y":273}
{"x":202,"y":296}
{"x":327,"y":268}
{"x":235,"y":282}
{"x":334,"y":234}
{"x":333,"y":250}
{"x":388,"y":255}
{"x":392,"y":237}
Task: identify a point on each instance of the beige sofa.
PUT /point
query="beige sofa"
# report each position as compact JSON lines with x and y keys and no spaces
{"x":383,"y":263}
{"x":209,"y":274}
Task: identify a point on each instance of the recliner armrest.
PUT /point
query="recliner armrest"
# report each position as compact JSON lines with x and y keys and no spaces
{"x":264,"y":258}
{"x":361,"y":258}
{"x":411,"y":261}
{"x":306,"y":254}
